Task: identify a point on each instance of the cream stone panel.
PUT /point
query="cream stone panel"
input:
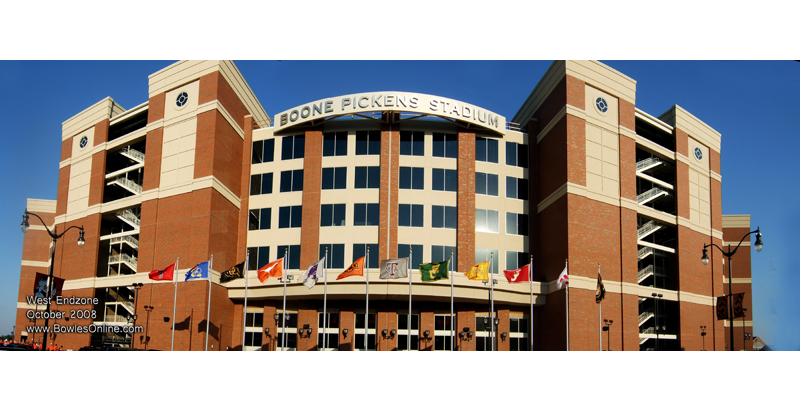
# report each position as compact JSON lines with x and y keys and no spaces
{"x":697,"y":147}
{"x":103,"y":109}
{"x":736,"y":221}
{"x":602,"y":161}
{"x":171,"y":109}
{"x":594,"y":166}
{"x":79,"y":179}
{"x":49,"y":206}
{"x":178,"y":153}
{"x":79,"y":153}
{"x":594,"y":134}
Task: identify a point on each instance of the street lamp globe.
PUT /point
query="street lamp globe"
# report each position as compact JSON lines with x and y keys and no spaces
{"x":24,"y":226}
{"x":81,"y":241}
{"x":759,"y":244}
{"x":705,"y":257}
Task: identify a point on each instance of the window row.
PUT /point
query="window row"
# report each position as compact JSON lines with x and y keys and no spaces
{"x":412,"y":143}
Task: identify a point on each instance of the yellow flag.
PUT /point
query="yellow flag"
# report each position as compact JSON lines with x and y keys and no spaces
{"x":480,"y":272}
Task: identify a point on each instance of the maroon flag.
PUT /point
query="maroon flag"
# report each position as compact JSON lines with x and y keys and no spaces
{"x":738,"y":311}
{"x":164,"y":274}
{"x":722,"y":308}
{"x":519,"y":275}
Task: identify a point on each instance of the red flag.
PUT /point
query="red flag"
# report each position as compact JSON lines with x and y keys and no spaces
{"x":357,"y":268}
{"x":40,"y":286}
{"x":164,"y":274}
{"x":519,"y":275}
{"x":273,"y":269}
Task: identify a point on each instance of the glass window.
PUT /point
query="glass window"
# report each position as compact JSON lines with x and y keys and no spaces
{"x":366,"y":214}
{"x":269,"y":150}
{"x":402,"y":321}
{"x":332,"y":215}
{"x":485,"y":254}
{"x":442,"y":253}
{"x":516,"y":154}
{"x":368,"y":177}
{"x":516,"y":260}
{"x":445,"y":145}
{"x":291,"y":180}
{"x":412,"y":143}
{"x":517,"y":188}
{"x":254,"y":320}
{"x":441,"y":343}
{"x":486,"y":184}
{"x":445,"y":180}
{"x":441,"y":322}
{"x":293,"y":147}
{"x":258,"y":152}
{"x":410,"y":215}
{"x":291,"y":320}
{"x":368,"y":142}
{"x":486,"y":221}
{"x":290,"y":217}
{"x":252,"y":258}
{"x":252,"y":338}
{"x":266,"y":219}
{"x":255,"y":184}
{"x":294,"y":255}
{"x":444,"y":217}
{"x":486,"y":149}
{"x":412,"y":178}
{"x":253,"y":220}
{"x":334,"y":144}
{"x":334,"y":178}
{"x":259,"y":257}
{"x":335,"y":255}
{"x":416,"y":260}
{"x":516,"y":224}
{"x":266,"y":183}
{"x":360,"y":250}
{"x":518,"y":325}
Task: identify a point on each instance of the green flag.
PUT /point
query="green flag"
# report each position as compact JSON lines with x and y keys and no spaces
{"x":434,"y":271}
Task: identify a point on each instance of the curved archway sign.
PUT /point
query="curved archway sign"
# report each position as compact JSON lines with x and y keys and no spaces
{"x":391,"y":101}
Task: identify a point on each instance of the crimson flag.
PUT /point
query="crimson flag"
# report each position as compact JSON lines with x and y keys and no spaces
{"x":164,"y":274}
{"x":519,"y":275}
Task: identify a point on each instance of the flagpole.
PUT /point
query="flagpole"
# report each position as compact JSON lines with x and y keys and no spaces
{"x":491,"y":314}
{"x":567,"y":267}
{"x":208,"y":310}
{"x":283,"y":333}
{"x":244,"y":270}
{"x":600,"y":313}
{"x":325,"y":303}
{"x":174,"y":302}
{"x":366,"y":313}
{"x":530,"y":281}
{"x":452,"y":322}
{"x":408,"y":273}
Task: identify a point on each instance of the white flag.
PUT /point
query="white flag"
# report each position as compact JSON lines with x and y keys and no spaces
{"x":563,"y":278}
{"x":395,"y":268}
{"x":313,"y":273}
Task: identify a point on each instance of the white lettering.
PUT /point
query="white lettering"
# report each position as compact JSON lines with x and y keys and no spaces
{"x":317,"y":109}
{"x":388,"y":101}
{"x":402,"y":100}
{"x":329,"y":106}
{"x":362,"y":98}
{"x":305,"y":112}
{"x":293,"y":116}
{"x":414,"y":101}
{"x":434,"y":104}
{"x":346,"y":102}
{"x":376,"y":100}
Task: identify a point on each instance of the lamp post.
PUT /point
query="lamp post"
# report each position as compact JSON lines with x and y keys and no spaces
{"x":656,"y":297}
{"x":703,"y":334}
{"x":607,"y":329}
{"x":759,"y":245}
{"x":54,"y":236}
{"x":136,"y":287}
{"x":147,"y":308}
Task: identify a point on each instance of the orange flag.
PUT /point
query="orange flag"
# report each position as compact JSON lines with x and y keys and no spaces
{"x":357,"y":268}
{"x":273,"y":269}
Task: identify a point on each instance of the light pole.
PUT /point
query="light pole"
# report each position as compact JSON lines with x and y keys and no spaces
{"x":147,"y":308}
{"x":744,"y":342}
{"x":136,"y":287}
{"x":607,"y":329}
{"x":759,"y":245}
{"x":703,"y":334}
{"x":656,"y":298}
{"x":54,"y":236}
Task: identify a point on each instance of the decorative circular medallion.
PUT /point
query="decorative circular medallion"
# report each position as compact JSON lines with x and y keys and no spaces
{"x":601,"y":104}
{"x":182,"y":99}
{"x":84,"y":141}
{"x":698,"y":154}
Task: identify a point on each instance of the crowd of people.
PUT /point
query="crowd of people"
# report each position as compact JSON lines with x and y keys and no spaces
{"x":24,"y":345}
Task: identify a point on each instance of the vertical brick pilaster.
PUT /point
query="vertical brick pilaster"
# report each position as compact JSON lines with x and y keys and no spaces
{"x":97,"y":180}
{"x":466,"y":200}
{"x":244,"y":188}
{"x":682,"y":189}
{"x":390,"y":170}
{"x":312,"y":186}
{"x":152,"y":159}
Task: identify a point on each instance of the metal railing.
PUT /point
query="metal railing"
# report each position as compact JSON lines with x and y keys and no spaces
{"x":648,"y":162}
{"x":643,"y":340}
{"x":648,"y":330}
{"x":130,"y":260}
{"x":650,"y":225}
{"x":133,"y":154}
{"x":644,"y":252}
{"x":644,"y":316}
{"x":127,"y":238}
{"x":129,"y":217}
{"x":129,"y":184}
{"x":650,"y":194}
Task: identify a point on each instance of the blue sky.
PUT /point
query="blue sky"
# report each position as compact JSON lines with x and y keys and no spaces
{"x":753,"y":104}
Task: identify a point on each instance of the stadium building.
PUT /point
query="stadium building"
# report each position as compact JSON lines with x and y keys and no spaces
{"x":200,"y":172}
